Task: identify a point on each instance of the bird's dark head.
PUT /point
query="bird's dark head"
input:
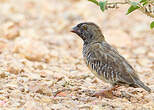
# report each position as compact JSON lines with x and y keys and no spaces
{"x":89,"y":32}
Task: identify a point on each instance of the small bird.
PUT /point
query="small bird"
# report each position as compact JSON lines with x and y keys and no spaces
{"x":105,"y":61}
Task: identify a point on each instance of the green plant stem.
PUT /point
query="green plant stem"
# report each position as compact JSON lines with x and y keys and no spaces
{"x":142,"y":9}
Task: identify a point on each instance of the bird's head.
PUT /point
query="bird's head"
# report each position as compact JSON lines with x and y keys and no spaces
{"x":88,"y":32}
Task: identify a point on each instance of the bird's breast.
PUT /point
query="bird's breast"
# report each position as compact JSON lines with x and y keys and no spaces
{"x":99,"y":67}
{"x":96,"y":68}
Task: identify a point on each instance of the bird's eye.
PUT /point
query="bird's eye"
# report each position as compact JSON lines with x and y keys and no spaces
{"x":84,"y":27}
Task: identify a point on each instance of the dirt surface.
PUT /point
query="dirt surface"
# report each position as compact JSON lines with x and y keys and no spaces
{"x":41,"y":64}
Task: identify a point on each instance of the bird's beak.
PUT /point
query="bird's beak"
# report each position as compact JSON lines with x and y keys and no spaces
{"x":75,"y":30}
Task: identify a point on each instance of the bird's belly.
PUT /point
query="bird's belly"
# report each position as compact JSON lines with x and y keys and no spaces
{"x":99,"y":76}
{"x":102,"y":72}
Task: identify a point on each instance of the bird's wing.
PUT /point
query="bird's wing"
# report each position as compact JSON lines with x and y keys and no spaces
{"x":106,"y":60}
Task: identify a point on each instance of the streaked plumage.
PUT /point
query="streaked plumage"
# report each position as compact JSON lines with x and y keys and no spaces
{"x":103,"y":60}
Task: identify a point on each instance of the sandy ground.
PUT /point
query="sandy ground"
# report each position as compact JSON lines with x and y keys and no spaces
{"x":40,"y":57}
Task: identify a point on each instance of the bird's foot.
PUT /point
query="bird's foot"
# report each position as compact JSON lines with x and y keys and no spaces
{"x":104,"y":93}
{"x":108,"y":93}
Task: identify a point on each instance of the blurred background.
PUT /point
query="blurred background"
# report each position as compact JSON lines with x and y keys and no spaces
{"x":39,"y":56}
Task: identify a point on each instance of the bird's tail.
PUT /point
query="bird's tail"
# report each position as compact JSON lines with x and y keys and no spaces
{"x":142,"y":85}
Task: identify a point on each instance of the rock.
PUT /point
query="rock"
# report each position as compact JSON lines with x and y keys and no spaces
{"x":31,"y":49}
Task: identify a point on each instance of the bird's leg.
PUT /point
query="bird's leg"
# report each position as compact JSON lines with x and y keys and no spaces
{"x":106,"y":93}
